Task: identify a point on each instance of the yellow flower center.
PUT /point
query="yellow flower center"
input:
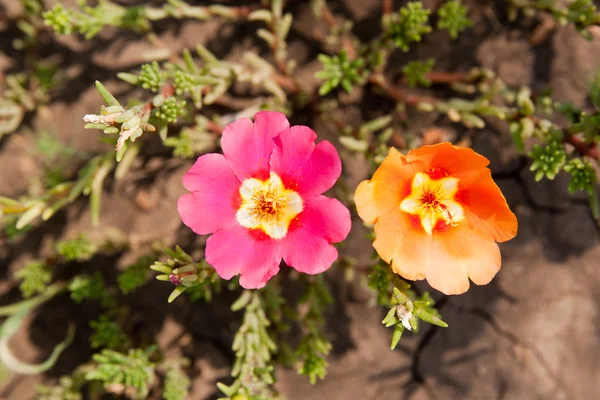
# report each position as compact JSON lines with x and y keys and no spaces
{"x":433,"y":200}
{"x":268,"y":206}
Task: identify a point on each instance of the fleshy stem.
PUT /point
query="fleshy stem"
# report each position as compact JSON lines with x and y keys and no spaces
{"x":201,"y":12}
{"x":398,"y":95}
{"x":51,"y":291}
{"x":583,"y":148}
{"x":329,"y":18}
{"x":440,"y":78}
{"x":166,"y":91}
{"x":586,"y":149}
{"x":253,"y":367}
{"x":314,"y":346}
{"x":387,"y":7}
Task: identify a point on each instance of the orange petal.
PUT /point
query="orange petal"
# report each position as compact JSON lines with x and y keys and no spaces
{"x":447,"y":259}
{"x":390,"y":184}
{"x":460,"y":253}
{"x":452,"y":159}
{"x":485,"y":206}
{"x":401,"y":242}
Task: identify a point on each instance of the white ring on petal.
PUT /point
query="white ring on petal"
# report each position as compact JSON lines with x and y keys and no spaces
{"x":258,"y":195}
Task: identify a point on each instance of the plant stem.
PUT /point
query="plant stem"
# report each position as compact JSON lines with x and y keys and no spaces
{"x":397,"y":94}
{"x":332,"y":23}
{"x":49,"y":293}
{"x":214,"y":127}
{"x":442,"y":77}
{"x":387,"y":7}
{"x":585,"y":149}
{"x":287,"y":83}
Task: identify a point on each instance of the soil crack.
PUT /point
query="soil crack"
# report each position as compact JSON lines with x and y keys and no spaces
{"x":511,"y":337}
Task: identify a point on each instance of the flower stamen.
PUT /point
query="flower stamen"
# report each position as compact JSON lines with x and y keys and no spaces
{"x":433,"y":200}
{"x":268,"y":206}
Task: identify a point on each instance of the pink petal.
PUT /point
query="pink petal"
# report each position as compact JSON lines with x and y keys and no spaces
{"x":324,"y":216}
{"x":248,"y":147}
{"x":309,"y":253}
{"x":215,"y":195}
{"x":308,"y":169}
{"x":270,"y":123}
{"x":237,"y":250}
{"x":307,"y":246}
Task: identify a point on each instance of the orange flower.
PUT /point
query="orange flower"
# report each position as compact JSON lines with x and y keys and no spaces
{"x":438,"y":215}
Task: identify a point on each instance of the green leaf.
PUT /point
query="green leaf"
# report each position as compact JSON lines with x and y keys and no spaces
{"x":397,"y":335}
{"x":339,"y":69}
{"x":135,"y":276}
{"x":190,"y":65}
{"x":261,"y":15}
{"x":408,"y":25}
{"x":453,"y":16}
{"x":29,"y":304}
{"x":376,"y":124}
{"x":35,"y":277}
{"x":11,"y":115}
{"x":78,"y":249}
{"x":548,"y":160}
{"x":29,"y":215}
{"x":594,"y":91}
{"x":242,"y":301}
{"x":515,"y":130}
{"x":108,"y":333}
{"x":432,"y":319}
{"x":176,"y":293}
{"x":595,"y":204}
{"x":108,"y":98}
{"x":421,"y":304}
{"x":60,"y":19}
{"x":353,"y":144}
{"x":133,"y":369}
{"x":399,"y":296}
{"x":91,"y":125}
{"x":151,"y":77}
{"x":96,"y":188}
{"x":17,"y":313}
{"x":177,"y":384}
{"x":206,"y":55}
{"x":5,"y":201}
{"x":89,"y":287}
{"x":253,"y":347}
{"x":390,"y":318}
{"x":182,"y":255}
{"x":472,"y":121}
{"x":121,"y":152}
{"x":416,"y":71}
{"x":129,"y":78}
{"x":583,"y":175}
{"x":226,"y":390}
{"x":10,"y":326}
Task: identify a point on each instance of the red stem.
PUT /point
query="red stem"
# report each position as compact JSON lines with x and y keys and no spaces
{"x":586,"y":149}
{"x":397,"y":94}
{"x":331,"y":22}
{"x":387,"y":7}
{"x":214,"y":127}
{"x":440,"y":78}
{"x":286,"y":83}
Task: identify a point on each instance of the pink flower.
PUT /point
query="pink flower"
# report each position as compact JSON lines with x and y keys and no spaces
{"x":261,"y":199}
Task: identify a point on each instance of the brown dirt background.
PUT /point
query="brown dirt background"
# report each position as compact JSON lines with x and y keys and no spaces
{"x":533,"y":333}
